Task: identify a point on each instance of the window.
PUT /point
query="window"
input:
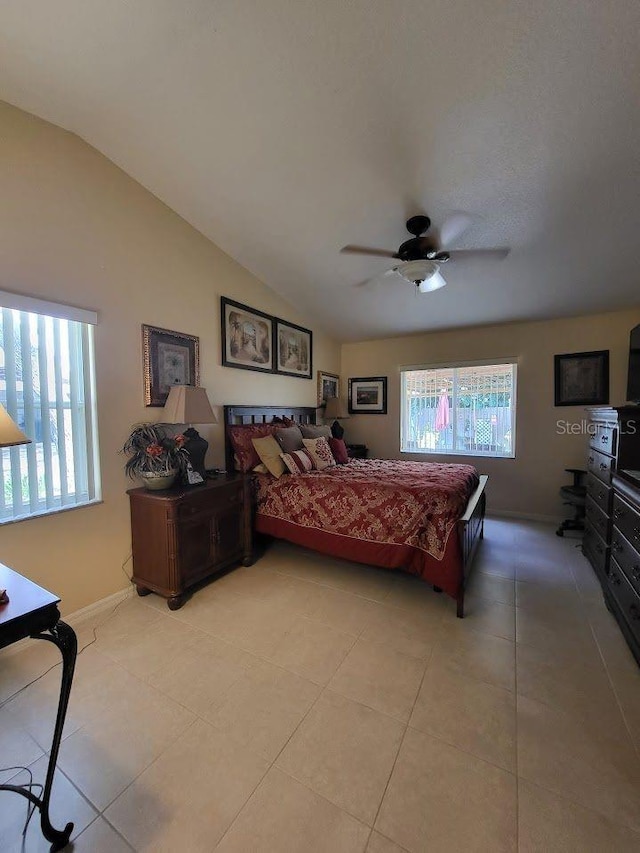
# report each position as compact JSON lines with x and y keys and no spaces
{"x":466,"y":409}
{"x":47,"y":385}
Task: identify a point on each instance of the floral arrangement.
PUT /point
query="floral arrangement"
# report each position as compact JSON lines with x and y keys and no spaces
{"x":151,"y":449}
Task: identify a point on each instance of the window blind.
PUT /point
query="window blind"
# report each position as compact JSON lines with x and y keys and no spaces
{"x":47,"y":386}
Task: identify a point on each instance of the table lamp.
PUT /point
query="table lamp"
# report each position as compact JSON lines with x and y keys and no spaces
{"x":10,"y":436}
{"x":336,"y":409}
{"x":187,"y":404}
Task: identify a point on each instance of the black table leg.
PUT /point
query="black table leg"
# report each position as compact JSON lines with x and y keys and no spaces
{"x":64,"y":638}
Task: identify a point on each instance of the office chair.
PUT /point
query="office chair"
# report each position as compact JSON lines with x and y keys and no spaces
{"x":574,"y":495}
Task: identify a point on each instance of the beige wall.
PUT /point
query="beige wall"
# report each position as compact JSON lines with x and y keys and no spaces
{"x":74,"y":228}
{"x":529,"y":483}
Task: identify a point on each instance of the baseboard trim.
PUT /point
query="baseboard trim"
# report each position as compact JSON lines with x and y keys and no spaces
{"x":79,"y":616}
{"x":75,"y":619}
{"x":523,"y":516}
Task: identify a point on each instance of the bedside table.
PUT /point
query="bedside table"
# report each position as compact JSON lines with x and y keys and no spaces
{"x":357,"y":451}
{"x":183,"y":535}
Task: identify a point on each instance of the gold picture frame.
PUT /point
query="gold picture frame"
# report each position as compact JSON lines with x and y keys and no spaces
{"x":169,"y":358}
{"x":328,"y":386}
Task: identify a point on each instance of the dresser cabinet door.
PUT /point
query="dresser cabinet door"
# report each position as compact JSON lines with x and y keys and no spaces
{"x":228,"y":539}
{"x":196,"y":548}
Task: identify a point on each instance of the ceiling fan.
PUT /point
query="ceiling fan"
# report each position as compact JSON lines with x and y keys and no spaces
{"x":422,"y":256}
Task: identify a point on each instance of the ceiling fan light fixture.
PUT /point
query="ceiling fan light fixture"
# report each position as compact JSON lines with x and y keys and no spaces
{"x":423,"y":273}
{"x":434,"y":282}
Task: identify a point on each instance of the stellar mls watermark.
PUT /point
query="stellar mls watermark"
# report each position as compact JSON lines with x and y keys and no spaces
{"x":586,"y":427}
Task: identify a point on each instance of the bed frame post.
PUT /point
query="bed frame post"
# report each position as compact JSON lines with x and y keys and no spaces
{"x":470,"y":532}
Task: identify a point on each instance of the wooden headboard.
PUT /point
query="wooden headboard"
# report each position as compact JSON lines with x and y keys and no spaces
{"x":238,"y":415}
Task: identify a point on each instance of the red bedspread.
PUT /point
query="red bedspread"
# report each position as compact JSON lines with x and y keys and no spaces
{"x":382,"y":511}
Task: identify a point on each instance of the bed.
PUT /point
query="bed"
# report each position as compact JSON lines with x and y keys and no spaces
{"x":421,"y":517}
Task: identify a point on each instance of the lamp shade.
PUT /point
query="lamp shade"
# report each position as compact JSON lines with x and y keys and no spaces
{"x":187,"y":404}
{"x":10,"y":435}
{"x":336,"y":408}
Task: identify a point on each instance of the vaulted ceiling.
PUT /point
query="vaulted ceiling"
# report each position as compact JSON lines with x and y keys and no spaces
{"x":283,"y":129}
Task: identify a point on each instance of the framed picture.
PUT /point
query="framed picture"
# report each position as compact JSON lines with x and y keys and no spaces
{"x":247,"y":337}
{"x":169,"y":358}
{"x":582,"y":378}
{"x":368,"y":396}
{"x":328,"y":386}
{"x":293,"y":349}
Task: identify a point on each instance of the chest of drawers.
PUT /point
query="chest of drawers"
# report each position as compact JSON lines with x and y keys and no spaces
{"x":623,"y":579}
{"x":181,"y":536}
{"x":614,"y":444}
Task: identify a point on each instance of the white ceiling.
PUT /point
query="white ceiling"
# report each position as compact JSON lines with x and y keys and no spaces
{"x":283,"y":129}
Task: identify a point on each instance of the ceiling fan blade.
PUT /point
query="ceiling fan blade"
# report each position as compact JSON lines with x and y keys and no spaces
{"x":365,"y":250}
{"x":453,"y":227}
{"x":486,"y":254}
{"x":374,"y":278}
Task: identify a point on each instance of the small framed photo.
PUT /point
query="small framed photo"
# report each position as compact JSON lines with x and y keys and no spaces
{"x":328,"y":386}
{"x":582,"y":378}
{"x":247,"y":337}
{"x":293,"y":345}
{"x":169,"y":358}
{"x":368,"y":396}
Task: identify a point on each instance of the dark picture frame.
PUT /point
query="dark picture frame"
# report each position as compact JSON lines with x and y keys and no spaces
{"x":328,"y":386}
{"x":293,"y":347}
{"x":247,"y":337}
{"x":368,"y":395}
{"x":582,"y":378}
{"x":169,"y":358}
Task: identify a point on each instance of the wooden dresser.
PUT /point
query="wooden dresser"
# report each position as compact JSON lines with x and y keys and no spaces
{"x":614,"y":445}
{"x":623,"y":580}
{"x":182,"y":535}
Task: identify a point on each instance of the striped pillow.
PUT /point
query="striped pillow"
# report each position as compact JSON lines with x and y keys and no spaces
{"x":298,"y":462}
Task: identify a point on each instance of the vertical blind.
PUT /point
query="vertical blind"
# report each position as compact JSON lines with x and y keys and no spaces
{"x":47,"y":386}
{"x":466,"y":409}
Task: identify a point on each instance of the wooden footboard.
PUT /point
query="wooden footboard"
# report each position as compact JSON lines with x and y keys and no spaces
{"x":470,"y":532}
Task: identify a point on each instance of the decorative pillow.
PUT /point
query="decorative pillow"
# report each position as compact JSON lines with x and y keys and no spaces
{"x":261,"y":469}
{"x":269,"y":451}
{"x":240,"y":436}
{"x":320,"y":452}
{"x":339,"y":450}
{"x":298,"y":461}
{"x":289,"y":438}
{"x":312,"y":431}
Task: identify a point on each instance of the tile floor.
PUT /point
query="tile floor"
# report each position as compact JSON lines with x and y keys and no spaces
{"x":308,"y":704}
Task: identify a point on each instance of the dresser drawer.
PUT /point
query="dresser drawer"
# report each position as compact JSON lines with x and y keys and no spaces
{"x":604,"y":438}
{"x":600,"y":465}
{"x":595,"y":551}
{"x":599,"y":492}
{"x":597,"y":519}
{"x":627,"y":557}
{"x":195,"y":504}
{"x":626,"y":597}
{"x":627,"y":520}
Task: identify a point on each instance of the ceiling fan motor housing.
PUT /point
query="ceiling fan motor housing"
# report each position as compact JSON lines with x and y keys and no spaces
{"x":419,"y":249}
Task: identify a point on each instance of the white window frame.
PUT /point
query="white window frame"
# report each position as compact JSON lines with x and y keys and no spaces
{"x":404,"y":412}
{"x":44,"y":467}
